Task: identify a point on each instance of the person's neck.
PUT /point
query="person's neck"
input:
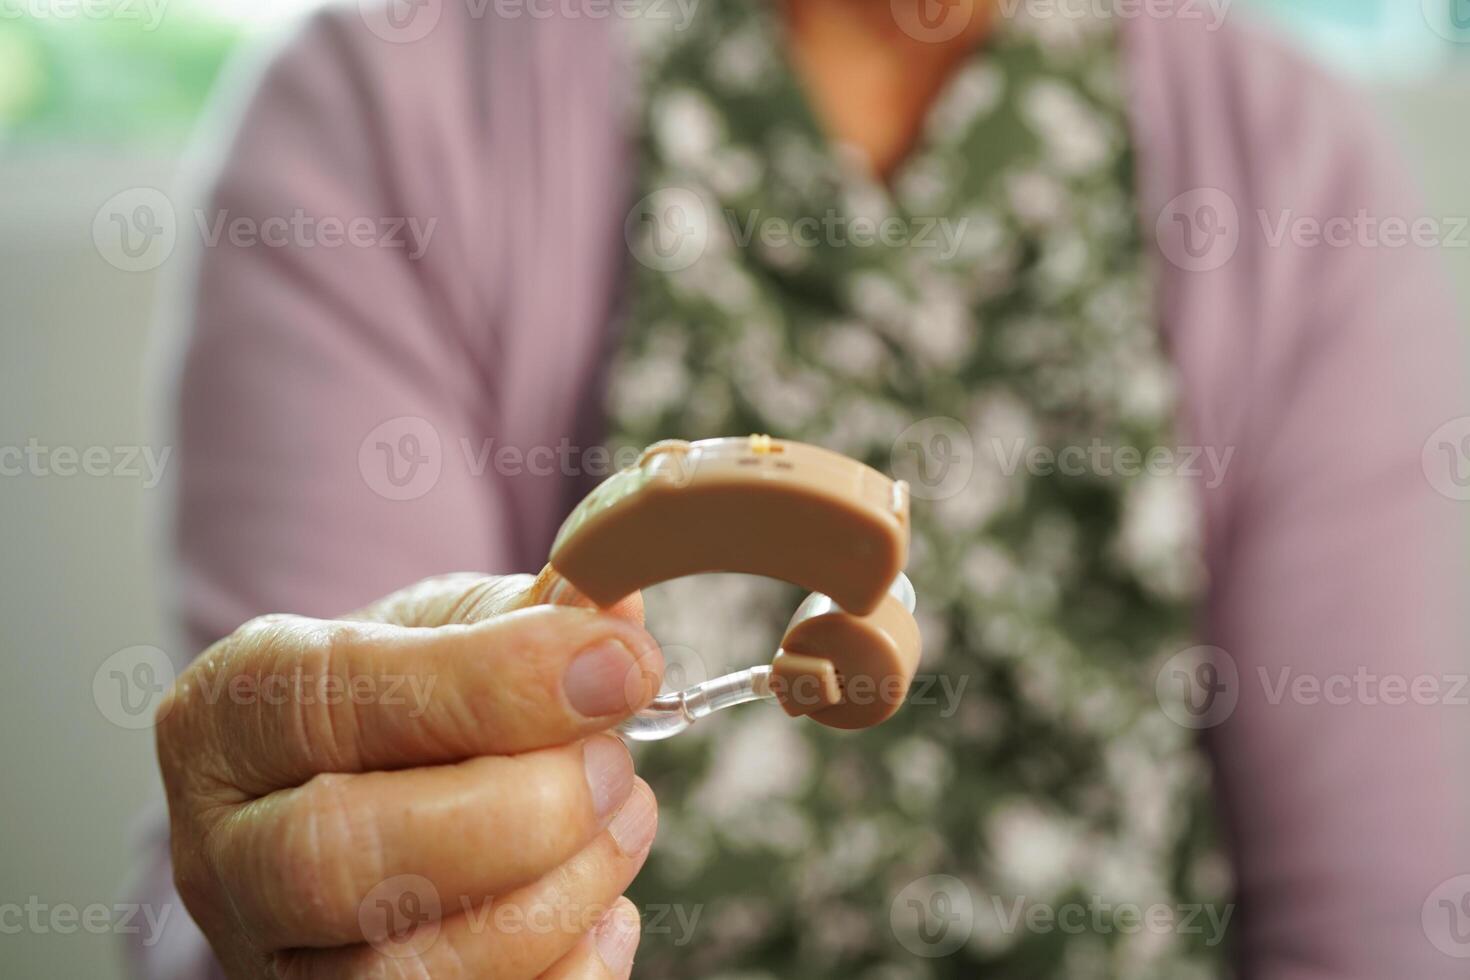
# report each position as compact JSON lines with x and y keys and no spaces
{"x":871,"y":68}
{"x":904,"y":24}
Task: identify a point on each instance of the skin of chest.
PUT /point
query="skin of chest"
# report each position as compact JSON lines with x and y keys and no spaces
{"x":870,"y":77}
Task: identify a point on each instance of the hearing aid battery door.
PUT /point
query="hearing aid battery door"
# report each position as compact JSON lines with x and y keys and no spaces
{"x":761,"y":506}
{"x":847,"y":671}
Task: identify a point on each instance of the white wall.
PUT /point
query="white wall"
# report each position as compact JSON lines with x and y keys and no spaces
{"x":75,"y":584}
{"x":74,"y":579}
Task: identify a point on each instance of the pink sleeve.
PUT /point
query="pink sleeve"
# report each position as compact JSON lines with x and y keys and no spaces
{"x":325,"y":384}
{"x":1336,"y":564}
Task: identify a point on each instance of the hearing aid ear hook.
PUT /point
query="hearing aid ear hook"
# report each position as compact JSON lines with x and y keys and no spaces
{"x":767,"y":507}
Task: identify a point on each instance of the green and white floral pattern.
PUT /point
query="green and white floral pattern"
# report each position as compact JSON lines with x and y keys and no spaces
{"x":1041,"y":768}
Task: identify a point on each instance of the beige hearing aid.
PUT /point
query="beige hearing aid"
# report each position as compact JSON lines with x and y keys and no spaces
{"x":768,"y":507}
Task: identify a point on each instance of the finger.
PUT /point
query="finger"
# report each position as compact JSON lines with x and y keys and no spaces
{"x":551,"y":589}
{"x":458,"y":599}
{"x":467,"y":597}
{"x":286,"y":698}
{"x":606,"y":954}
{"x":477,"y":828}
{"x":520,"y":934}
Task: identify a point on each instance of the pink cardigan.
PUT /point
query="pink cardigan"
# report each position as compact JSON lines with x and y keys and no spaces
{"x":1325,"y":368}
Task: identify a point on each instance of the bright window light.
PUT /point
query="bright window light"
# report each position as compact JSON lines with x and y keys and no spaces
{"x":251,"y":14}
{"x":1381,"y":38}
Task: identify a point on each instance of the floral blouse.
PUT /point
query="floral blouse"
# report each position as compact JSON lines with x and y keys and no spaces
{"x":956,"y":327}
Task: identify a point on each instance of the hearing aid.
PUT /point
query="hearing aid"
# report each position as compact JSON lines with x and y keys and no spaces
{"x":768,"y":507}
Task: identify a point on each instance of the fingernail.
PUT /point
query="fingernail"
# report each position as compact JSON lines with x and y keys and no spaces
{"x":634,"y":826}
{"x":616,"y":937}
{"x":597,"y":682}
{"x":609,"y":773}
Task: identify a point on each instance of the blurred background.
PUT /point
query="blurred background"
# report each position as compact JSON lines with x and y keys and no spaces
{"x":100,"y":96}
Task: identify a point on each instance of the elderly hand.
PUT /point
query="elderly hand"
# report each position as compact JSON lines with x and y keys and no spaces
{"x":420,"y":789}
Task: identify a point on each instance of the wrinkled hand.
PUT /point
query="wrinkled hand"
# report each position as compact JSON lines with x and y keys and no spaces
{"x":417,"y":790}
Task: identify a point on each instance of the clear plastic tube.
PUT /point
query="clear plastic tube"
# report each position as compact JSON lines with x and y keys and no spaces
{"x":669,"y":714}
